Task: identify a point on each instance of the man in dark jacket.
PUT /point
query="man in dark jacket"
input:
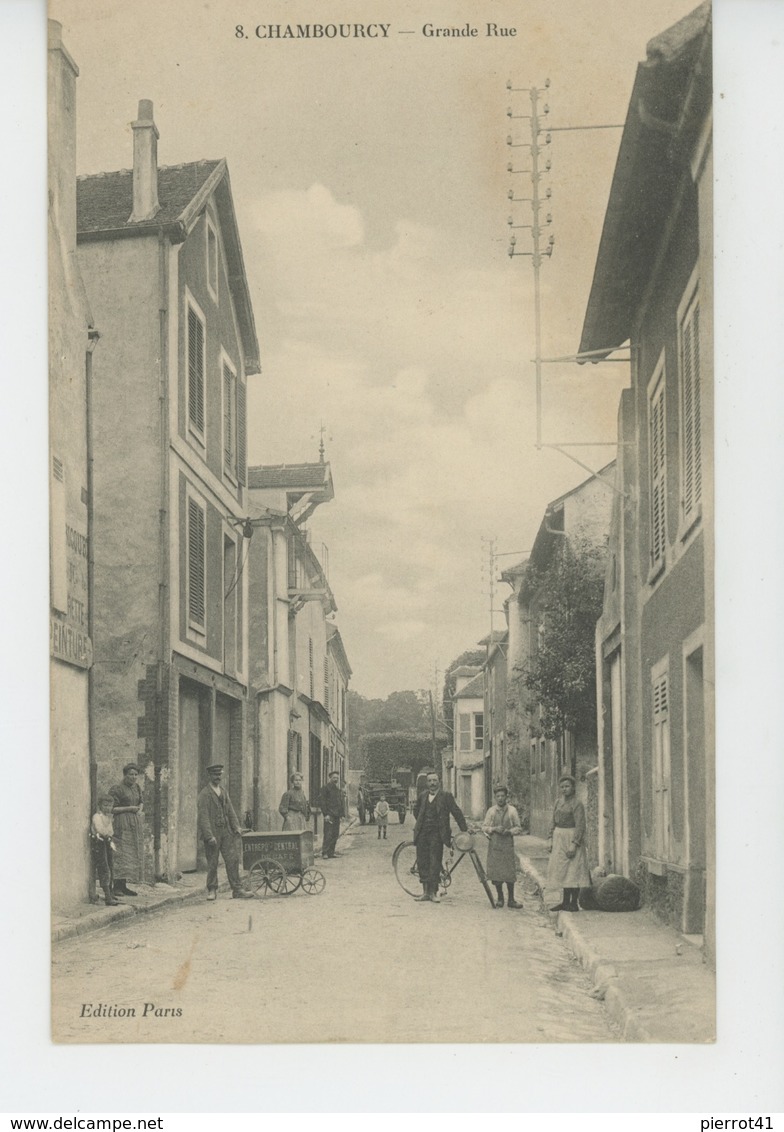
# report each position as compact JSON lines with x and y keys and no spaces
{"x":432,"y":832}
{"x":218,"y":828}
{"x":331,"y":802}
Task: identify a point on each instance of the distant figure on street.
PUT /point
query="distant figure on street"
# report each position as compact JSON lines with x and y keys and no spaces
{"x":103,"y":847}
{"x":294,"y":807}
{"x":568,"y":859}
{"x":432,"y":831}
{"x":502,"y":825}
{"x":128,"y":831}
{"x":218,"y":828}
{"x":382,"y":815}
{"x":331,"y":803}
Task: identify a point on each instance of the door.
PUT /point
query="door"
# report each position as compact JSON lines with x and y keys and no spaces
{"x":191,"y":753}
{"x":620,"y":838}
{"x":661,"y":768}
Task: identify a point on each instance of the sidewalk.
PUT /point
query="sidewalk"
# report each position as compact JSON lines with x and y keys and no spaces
{"x":86,"y":918}
{"x":652,"y":979}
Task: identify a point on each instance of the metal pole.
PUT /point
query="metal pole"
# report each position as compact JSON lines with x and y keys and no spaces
{"x":536,"y":259}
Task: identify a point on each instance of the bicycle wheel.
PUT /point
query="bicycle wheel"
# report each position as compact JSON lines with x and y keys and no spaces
{"x":404,"y":862}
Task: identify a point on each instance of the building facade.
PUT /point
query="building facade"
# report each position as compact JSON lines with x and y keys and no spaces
{"x":160,"y":253}
{"x":653,"y":288}
{"x":72,"y":336}
{"x":466,"y":775}
{"x":299,"y":671}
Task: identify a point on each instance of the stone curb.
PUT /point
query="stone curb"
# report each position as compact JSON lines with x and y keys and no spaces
{"x":98,"y":920}
{"x":603,"y":974}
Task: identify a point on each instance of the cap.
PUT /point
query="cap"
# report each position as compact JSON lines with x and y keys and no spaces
{"x":215,"y":766}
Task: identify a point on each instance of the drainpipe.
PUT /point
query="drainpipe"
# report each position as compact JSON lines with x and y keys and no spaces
{"x":164,"y":611}
{"x":92,"y":341}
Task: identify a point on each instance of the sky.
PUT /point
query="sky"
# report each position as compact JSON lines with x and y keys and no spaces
{"x":370,"y":182}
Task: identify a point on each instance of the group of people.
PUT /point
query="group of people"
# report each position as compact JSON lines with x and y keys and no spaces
{"x":117,"y":837}
{"x":568,"y":868}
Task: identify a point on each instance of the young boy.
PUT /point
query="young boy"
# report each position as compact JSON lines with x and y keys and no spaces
{"x":101,"y":834}
{"x":382,"y":815}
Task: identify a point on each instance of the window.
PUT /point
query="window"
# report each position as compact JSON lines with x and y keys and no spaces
{"x":464,"y":720}
{"x":292,"y":563}
{"x":229,"y":421}
{"x":479,"y":731}
{"x":57,"y":537}
{"x":196,"y":566}
{"x":196,"y":372}
{"x":242,"y":434}
{"x":691,"y":441}
{"x":658,"y":471}
{"x":311,"y":672}
{"x":661,"y":765}
{"x":212,"y":259}
{"x":326,"y":683}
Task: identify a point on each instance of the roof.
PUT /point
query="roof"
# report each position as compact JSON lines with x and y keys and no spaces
{"x":474,"y":688}
{"x":335,"y":641}
{"x":466,"y":670}
{"x":669,"y":102}
{"x":104,"y":202}
{"x":498,"y":636}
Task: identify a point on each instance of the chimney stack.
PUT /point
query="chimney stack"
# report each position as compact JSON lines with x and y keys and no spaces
{"x":145,"y":165}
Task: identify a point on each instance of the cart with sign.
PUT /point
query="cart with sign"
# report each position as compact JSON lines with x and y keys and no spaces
{"x":281,"y":863}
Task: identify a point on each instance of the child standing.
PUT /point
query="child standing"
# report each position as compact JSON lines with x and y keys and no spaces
{"x":101,"y":835}
{"x":382,"y":815}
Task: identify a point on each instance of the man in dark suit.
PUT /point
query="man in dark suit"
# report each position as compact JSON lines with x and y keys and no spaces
{"x":218,"y":828}
{"x":331,"y":802}
{"x":432,"y":832}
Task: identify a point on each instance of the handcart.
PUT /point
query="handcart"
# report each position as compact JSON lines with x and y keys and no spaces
{"x":281,"y":863}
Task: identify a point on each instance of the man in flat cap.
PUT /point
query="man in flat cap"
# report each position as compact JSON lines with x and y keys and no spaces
{"x":218,"y":828}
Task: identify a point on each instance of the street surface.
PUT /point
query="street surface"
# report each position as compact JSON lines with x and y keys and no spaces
{"x":361,"y":962}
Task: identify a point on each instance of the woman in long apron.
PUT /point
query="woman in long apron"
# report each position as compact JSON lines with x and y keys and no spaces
{"x":294,"y":807}
{"x":128,"y":831}
{"x":502,"y":825}
{"x":568,"y":859}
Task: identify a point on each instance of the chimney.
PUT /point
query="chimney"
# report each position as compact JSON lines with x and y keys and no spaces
{"x":145,"y":165}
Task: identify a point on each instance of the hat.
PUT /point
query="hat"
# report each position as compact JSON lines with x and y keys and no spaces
{"x":130,"y":766}
{"x":215,"y":766}
{"x":566,"y":778}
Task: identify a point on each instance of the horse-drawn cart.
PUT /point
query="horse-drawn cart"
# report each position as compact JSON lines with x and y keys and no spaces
{"x":281,"y":862}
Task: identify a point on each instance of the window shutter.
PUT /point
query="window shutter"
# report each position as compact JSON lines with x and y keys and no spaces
{"x":658,"y":466}
{"x":228,"y":419}
{"x":196,"y":564}
{"x":691,"y":425}
{"x":242,"y":438}
{"x":195,"y":370}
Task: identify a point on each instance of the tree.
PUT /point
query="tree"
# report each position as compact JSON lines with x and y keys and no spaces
{"x":560,"y":674}
{"x":385,"y":752}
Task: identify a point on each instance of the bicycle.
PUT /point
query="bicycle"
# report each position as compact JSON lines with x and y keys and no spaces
{"x":404,"y":862}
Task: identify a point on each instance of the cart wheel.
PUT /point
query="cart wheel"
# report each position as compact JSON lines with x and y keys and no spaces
{"x":286,"y":883}
{"x":266,"y":875}
{"x":313,"y":882}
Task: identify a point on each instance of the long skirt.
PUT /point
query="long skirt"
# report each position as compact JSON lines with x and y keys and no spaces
{"x":294,"y":820}
{"x":565,"y":872}
{"x":129,"y":839}
{"x":501,"y":860}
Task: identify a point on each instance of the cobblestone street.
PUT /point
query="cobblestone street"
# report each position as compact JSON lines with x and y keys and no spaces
{"x":362,"y":962}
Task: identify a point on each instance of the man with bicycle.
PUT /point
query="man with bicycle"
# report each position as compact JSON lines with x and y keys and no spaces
{"x":432,"y":832}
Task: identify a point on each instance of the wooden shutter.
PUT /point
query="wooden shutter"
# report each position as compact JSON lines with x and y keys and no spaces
{"x":195,"y":370}
{"x":242,"y":437}
{"x":228,"y":419}
{"x":658,"y":475}
{"x":661,"y":767}
{"x":196,"y":564}
{"x":690,"y":423}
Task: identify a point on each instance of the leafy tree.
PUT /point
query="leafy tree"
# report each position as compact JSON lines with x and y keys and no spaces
{"x":400,"y":711}
{"x":567,"y":594}
{"x":383,"y":753}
